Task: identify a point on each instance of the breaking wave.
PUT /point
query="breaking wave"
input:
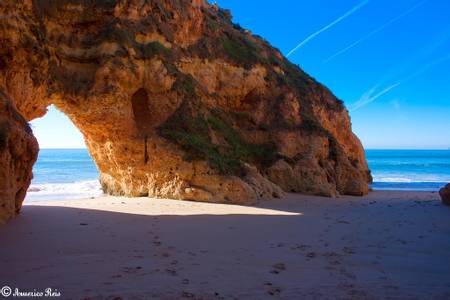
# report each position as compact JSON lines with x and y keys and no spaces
{"x":63,"y":191}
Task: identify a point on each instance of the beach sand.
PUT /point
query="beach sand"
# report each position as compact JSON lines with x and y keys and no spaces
{"x":388,"y":245}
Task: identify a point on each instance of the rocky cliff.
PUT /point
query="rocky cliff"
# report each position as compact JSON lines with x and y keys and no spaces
{"x":18,"y":153}
{"x":174,"y":100}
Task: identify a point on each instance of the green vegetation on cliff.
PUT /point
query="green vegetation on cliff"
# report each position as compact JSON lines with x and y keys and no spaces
{"x":259,"y":154}
{"x":193,"y":134}
{"x":240,"y":51}
{"x":152,"y":49}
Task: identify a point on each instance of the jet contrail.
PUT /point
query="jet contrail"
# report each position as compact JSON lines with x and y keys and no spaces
{"x":350,"y":12}
{"x":426,"y":67}
{"x":442,"y":38}
{"x":372,"y":33}
{"x":418,"y":56}
{"x":367,"y":98}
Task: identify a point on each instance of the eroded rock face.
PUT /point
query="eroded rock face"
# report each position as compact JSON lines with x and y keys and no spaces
{"x":18,"y":153}
{"x":176,"y":101}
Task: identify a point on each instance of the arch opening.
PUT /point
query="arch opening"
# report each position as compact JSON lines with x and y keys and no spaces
{"x":64,"y":168}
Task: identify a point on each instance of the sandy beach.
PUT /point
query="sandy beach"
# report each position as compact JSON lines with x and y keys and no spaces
{"x":388,"y":245}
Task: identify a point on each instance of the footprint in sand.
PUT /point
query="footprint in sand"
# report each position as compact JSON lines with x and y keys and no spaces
{"x":347,"y":274}
{"x":300,"y":247}
{"x":132,"y":270}
{"x":342,"y":222}
{"x":274,"y":291}
{"x":188,"y":295}
{"x":348,"y":250}
{"x":172,"y":272}
{"x":271,"y":290}
{"x":335,"y":262}
{"x":277,"y":268}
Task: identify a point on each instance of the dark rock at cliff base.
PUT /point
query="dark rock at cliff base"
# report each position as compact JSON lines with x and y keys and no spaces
{"x":445,"y":194}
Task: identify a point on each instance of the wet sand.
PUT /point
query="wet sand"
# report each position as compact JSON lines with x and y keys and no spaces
{"x":388,"y":245}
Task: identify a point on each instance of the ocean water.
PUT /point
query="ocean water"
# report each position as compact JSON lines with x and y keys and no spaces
{"x":424,"y":170}
{"x":71,"y":173}
{"x":64,"y":174}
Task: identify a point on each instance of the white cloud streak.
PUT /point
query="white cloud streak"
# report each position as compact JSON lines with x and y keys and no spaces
{"x":312,"y":36}
{"x":372,"y":33}
{"x":426,"y":67}
{"x":369,"y":96}
{"x":415,"y":59}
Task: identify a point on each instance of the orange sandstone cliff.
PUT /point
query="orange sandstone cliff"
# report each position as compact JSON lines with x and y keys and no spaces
{"x":18,"y":153}
{"x":174,"y":101}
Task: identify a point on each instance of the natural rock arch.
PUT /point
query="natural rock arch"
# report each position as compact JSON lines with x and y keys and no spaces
{"x":228,"y":118}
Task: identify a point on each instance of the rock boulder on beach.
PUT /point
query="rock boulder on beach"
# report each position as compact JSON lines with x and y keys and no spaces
{"x":445,"y":194}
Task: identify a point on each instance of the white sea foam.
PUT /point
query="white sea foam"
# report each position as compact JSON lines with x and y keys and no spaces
{"x":412,"y":179}
{"x":62,"y":191}
{"x":410,"y":182}
{"x":391,"y":179}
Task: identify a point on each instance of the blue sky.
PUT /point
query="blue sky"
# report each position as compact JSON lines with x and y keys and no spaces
{"x":394,"y":78}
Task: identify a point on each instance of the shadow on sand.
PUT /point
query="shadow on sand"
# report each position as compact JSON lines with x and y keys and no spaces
{"x":311,"y":251}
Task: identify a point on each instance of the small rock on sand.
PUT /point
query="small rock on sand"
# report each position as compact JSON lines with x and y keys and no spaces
{"x":445,"y":194}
